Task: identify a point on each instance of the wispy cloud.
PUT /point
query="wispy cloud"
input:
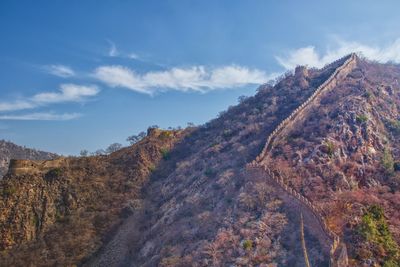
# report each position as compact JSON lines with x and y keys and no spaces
{"x":196,"y":78}
{"x":66,"y":93}
{"x":309,"y":56}
{"x":113,"y":51}
{"x":16,"y":105}
{"x":133,"y":56}
{"x":60,"y":70}
{"x":42,"y":117}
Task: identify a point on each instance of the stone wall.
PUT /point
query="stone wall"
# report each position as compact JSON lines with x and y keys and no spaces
{"x":330,"y":83}
{"x":337,"y":250}
{"x":20,"y":167}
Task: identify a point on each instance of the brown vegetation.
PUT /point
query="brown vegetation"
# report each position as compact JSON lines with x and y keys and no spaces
{"x":60,"y":212}
{"x":192,"y":202}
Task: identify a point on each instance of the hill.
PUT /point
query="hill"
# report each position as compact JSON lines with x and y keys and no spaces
{"x":304,"y":172}
{"x":59,"y":212}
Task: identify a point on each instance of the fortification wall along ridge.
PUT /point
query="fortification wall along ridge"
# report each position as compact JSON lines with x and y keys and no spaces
{"x":330,"y":83}
{"x":305,"y":203}
{"x":337,"y":257}
{"x":20,"y":167}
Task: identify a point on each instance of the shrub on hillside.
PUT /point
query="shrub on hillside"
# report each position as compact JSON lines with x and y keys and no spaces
{"x":328,"y":148}
{"x":53,"y":174}
{"x":166,"y":134}
{"x":396,"y":166}
{"x":247,"y":244}
{"x":8,"y":190}
{"x":375,"y":231}
{"x":165,"y":153}
{"x":394,"y":126}
{"x":152,"y":168}
{"x":387,"y":161}
{"x":209,"y":172}
{"x":368,"y":95}
{"x":362,"y":118}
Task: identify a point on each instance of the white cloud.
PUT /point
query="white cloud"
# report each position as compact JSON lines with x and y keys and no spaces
{"x":42,"y":117}
{"x":60,"y":70}
{"x":119,"y":76}
{"x":133,"y":56}
{"x":309,"y":56}
{"x":67,"y":93}
{"x":196,"y":78}
{"x":113,"y":51}
{"x":17,"y":105}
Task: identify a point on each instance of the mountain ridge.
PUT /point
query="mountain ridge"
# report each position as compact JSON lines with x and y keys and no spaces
{"x":108,"y":255}
{"x":262,"y":160}
{"x":203,"y":203}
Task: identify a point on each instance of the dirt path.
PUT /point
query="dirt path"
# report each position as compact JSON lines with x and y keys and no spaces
{"x":116,"y":253}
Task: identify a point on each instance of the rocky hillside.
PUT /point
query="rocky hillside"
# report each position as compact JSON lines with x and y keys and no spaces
{"x":305,"y":173}
{"x":57,"y":213}
{"x":207,"y":210}
{"x":10,"y":151}
{"x":342,"y":153}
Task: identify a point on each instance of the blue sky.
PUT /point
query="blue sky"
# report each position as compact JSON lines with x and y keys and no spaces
{"x":84,"y":74}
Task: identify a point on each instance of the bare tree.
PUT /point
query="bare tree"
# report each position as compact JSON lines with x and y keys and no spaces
{"x":242,"y":98}
{"x":133,"y":139}
{"x":142,"y":135}
{"x":84,"y":153}
{"x":99,"y":152}
{"x":113,"y":147}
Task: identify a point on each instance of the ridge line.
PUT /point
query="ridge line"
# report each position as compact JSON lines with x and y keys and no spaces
{"x":261,"y":161}
{"x":299,"y":109}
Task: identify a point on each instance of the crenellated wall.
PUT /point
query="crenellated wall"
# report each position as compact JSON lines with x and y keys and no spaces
{"x":330,"y":83}
{"x":337,"y":250}
{"x":333,"y":239}
{"x":21,"y":167}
